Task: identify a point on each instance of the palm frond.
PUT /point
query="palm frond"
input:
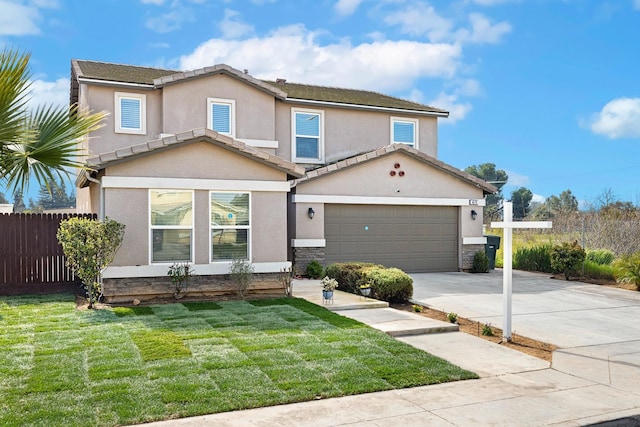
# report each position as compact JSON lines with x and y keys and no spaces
{"x":14,"y":88}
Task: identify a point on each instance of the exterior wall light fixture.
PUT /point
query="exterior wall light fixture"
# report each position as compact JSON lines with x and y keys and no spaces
{"x":311,"y":213}
{"x":474,"y":215}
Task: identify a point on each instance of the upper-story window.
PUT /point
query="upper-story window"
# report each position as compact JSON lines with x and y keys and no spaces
{"x":404,"y":131}
{"x":131,"y":113}
{"x":307,"y":135}
{"x":221,"y":116}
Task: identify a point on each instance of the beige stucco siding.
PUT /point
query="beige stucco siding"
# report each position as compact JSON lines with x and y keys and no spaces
{"x":201,"y":160}
{"x":348,"y":132}
{"x":195,"y":161}
{"x":373,"y":179}
{"x":102,"y":98}
{"x":185,"y":106}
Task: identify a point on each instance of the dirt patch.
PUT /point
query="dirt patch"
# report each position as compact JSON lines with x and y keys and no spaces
{"x":601,"y":282}
{"x":526,"y":345}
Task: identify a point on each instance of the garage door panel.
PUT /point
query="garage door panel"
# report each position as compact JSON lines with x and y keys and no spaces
{"x":413,"y":238}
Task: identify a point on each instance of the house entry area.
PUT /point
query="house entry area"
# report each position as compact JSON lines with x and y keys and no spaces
{"x":416,"y":239}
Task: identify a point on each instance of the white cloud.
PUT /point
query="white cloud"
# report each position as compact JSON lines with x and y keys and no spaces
{"x":421,"y":19}
{"x":156,"y":2}
{"x":538,"y":198}
{"x":232,"y":27}
{"x":517,"y":180}
{"x":482,"y":30}
{"x":619,"y":118}
{"x":346,"y":7}
{"x":636,"y":4}
{"x":49,"y":93}
{"x":293,"y":53}
{"x":169,"y":21}
{"x":18,"y":19}
{"x":451,"y":102}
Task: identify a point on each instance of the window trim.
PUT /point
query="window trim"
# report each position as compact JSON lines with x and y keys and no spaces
{"x":294,"y":158}
{"x":241,"y":227}
{"x":171,"y":227}
{"x":232,"y":114}
{"x":416,"y":131}
{"x":118,"y":113}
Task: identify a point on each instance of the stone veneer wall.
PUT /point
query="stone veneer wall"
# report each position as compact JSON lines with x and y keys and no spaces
{"x":303,"y":256}
{"x":468,"y":251}
{"x":160,"y":289}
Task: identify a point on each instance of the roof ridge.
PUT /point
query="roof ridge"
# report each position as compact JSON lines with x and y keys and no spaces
{"x":126,"y":65}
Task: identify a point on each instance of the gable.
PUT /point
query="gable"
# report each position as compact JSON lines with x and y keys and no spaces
{"x":394,"y":175}
{"x":197,"y":160}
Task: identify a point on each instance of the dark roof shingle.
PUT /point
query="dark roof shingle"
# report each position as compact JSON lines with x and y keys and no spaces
{"x":146,"y":75}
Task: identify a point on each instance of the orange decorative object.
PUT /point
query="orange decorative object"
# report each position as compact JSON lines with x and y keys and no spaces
{"x":397,"y":165}
{"x":401,"y":173}
{"x":392,"y":173}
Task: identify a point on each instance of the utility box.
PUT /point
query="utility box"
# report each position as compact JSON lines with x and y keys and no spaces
{"x":491,"y":249}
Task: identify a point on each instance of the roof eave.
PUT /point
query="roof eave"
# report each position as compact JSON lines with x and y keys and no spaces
{"x":368,"y":107}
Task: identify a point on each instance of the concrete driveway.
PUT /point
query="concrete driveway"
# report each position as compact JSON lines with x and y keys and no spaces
{"x":596,"y":328}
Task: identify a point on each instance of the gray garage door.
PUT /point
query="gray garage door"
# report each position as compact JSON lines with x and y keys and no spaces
{"x":412,"y":238}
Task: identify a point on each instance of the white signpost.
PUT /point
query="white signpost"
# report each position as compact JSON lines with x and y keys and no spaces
{"x":508,"y":225}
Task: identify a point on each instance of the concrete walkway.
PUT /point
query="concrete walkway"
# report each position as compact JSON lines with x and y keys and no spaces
{"x":514,"y":389}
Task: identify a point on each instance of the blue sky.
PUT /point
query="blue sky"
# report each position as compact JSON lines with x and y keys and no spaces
{"x":548,"y":90}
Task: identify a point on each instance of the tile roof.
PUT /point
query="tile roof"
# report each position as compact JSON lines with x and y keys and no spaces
{"x":111,"y":158}
{"x":158,"y":77}
{"x":383,"y":151}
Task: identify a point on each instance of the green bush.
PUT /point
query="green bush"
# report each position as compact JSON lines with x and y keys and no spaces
{"x":480,"y":263}
{"x":533,"y":258}
{"x":594,"y":270}
{"x":314,"y":270}
{"x":350,"y":275}
{"x":389,"y":284}
{"x":601,"y":256}
{"x":567,"y":258}
{"x":627,"y":269}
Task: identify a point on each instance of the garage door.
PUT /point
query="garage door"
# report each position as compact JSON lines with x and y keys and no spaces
{"x":412,"y":238}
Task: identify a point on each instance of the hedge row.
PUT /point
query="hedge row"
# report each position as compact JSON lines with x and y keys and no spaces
{"x":387,"y":284}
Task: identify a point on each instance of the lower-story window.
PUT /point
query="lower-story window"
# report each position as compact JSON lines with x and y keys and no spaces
{"x":171,"y":223}
{"x":230,"y":226}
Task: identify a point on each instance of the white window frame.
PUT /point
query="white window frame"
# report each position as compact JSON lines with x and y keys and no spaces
{"x":232,"y":114}
{"x":320,"y":159}
{"x":241,"y":227}
{"x":171,"y":227}
{"x":416,"y":130}
{"x":143,"y":113}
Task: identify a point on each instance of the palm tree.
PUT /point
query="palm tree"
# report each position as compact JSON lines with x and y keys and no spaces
{"x":42,"y":143}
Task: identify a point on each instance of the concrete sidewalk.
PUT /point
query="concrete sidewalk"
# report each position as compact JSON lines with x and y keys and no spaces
{"x":514,"y":389}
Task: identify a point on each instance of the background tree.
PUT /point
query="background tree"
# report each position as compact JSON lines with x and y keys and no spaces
{"x":41,"y":143}
{"x":3,"y":200}
{"x":18,"y":202}
{"x":496,"y":177}
{"x":553,"y":206}
{"x":521,"y":199}
{"x":53,"y":195}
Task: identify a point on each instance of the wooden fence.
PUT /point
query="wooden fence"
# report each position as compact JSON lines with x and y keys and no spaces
{"x":29,"y":250}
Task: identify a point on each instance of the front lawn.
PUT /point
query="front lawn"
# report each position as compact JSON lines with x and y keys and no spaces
{"x":62,"y":366}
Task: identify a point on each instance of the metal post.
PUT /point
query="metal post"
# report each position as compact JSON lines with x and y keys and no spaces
{"x":507,"y":270}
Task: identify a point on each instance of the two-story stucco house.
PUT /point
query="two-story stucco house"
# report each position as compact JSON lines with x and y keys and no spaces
{"x":204,"y":166}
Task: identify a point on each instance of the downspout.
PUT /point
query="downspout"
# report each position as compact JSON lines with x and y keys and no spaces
{"x":87,"y":175}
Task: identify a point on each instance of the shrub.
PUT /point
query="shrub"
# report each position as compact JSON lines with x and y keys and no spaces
{"x":627,"y":269}
{"x":389,"y":284}
{"x":314,"y":270}
{"x":90,"y":247}
{"x":241,"y":272}
{"x":480,"y":263}
{"x":567,"y":258}
{"x":533,"y":258}
{"x":593,"y":270}
{"x":487,"y":331}
{"x":601,"y":256}
{"x":350,"y":275}
{"x":452,"y":317}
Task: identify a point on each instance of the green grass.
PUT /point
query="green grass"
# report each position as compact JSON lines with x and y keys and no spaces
{"x":62,"y":366}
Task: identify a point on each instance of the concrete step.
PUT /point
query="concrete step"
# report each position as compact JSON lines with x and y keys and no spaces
{"x":398,"y":323}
